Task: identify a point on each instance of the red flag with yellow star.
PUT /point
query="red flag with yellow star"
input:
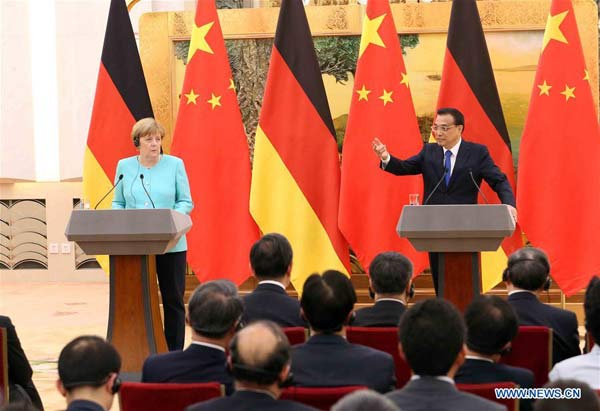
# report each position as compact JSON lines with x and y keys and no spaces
{"x":468,"y":84}
{"x":209,"y":136}
{"x":559,"y":162}
{"x":296,"y":174}
{"x":371,"y":200}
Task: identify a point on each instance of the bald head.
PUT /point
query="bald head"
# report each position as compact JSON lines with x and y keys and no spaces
{"x":259,"y":353}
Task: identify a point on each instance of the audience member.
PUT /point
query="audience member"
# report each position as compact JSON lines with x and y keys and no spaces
{"x":588,"y":402}
{"x":88,"y":372}
{"x":19,"y":406}
{"x":20,"y":384}
{"x":364,"y":400}
{"x":432,"y":335}
{"x":214,"y":314}
{"x":260,"y":362}
{"x":390,"y":286}
{"x":271,"y":263}
{"x":528,"y":274}
{"x":585,"y":368}
{"x":491,"y":326}
{"x":327,"y":359}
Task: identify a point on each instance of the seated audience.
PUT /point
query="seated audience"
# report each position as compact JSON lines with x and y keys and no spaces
{"x":271,"y":263}
{"x":390,"y":285}
{"x":88,"y":372}
{"x":586,"y":367}
{"x":528,"y":274}
{"x":327,"y":359}
{"x":259,"y":359}
{"x":20,"y":384}
{"x":432,"y":335}
{"x":214,"y":314}
{"x":364,"y":400}
{"x":588,"y":402}
{"x":491,"y":326}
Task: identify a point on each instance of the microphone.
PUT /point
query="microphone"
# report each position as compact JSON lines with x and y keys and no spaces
{"x":436,"y":186}
{"x":146,"y":191}
{"x":109,"y":191}
{"x":477,"y":186}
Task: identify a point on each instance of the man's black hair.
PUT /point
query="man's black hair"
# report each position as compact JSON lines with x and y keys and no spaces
{"x":327,"y":301}
{"x":491,"y":324}
{"x":87,"y":361}
{"x":271,"y":256}
{"x":528,"y":268}
{"x":432,"y":334}
{"x":390,"y":273}
{"x":459,"y":118}
{"x":591,"y":307}
{"x":214,"y":308}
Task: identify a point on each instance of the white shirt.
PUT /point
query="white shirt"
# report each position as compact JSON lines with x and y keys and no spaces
{"x":444,"y":378}
{"x":521,"y":291}
{"x":391,"y":299}
{"x":476,"y":357}
{"x":454,"y":151}
{"x":271,"y":282}
{"x":209,"y":345}
{"x":584,"y":368}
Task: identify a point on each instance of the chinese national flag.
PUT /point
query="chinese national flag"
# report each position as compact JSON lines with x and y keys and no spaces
{"x":121,"y":100}
{"x":370,"y":199}
{"x":209,"y":136}
{"x":468,"y":84}
{"x":559,"y":162}
{"x":296,"y":175}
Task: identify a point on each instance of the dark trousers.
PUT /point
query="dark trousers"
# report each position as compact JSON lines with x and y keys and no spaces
{"x":433,"y":265}
{"x":170,"y":269}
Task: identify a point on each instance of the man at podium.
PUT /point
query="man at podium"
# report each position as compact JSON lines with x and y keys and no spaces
{"x":155,"y":180}
{"x":452,"y":169}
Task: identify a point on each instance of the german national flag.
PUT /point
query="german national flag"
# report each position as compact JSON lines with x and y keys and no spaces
{"x":559,"y":161}
{"x":468,"y":84}
{"x":121,"y":99}
{"x":296,"y":175}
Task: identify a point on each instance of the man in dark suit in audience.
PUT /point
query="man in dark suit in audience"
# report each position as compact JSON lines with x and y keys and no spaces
{"x":214,"y":314}
{"x":527,"y":275}
{"x":271,"y":263}
{"x":259,"y":359}
{"x":491,"y":326}
{"x":20,"y":384}
{"x":327,"y":359}
{"x":88,"y":372}
{"x":391,"y":287}
{"x":431,"y":340}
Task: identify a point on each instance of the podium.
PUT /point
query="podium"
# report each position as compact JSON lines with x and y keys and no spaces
{"x":458,"y":233}
{"x":129,"y":237}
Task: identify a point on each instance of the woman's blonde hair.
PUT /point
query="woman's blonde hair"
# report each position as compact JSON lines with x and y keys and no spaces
{"x":145,"y":127}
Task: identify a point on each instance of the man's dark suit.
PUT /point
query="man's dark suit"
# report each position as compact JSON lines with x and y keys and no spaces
{"x":331,"y":361}
{"x":84,"y":405}
{"x":384,"y":313}
{"x":461,"y":190}
{"x":197,"y":363}
{"x":431,"y":394}
{"x":19,"y":370}
{"x":249,"y":401}
{"x":271,"y":302}
{"x":531,"y":311}
{"x":475,"y":371}
{"x":471,"y":158}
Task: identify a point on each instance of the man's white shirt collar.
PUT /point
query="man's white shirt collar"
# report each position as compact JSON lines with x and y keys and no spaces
{"x":454,"y":150}
{"x":391,"y":299}
{"x":520,"y":291}
{"x":476,"y":357}
{"x":271,"y":282}
{"x":444,"y":378}
{"x":209,"y":345}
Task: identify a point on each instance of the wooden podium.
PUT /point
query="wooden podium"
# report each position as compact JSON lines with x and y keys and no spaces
{"x":129,"y":237}
{"x":458,"y":233}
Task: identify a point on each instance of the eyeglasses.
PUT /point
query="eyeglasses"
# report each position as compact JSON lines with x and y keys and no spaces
{"x":443,"y":129}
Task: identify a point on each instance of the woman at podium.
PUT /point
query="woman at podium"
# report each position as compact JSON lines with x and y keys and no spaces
{"x":155,"y":180}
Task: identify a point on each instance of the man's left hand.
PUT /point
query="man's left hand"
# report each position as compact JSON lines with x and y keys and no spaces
{"x":513,"y":213}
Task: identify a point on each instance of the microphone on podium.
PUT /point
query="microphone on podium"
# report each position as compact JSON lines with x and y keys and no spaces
{"x":477,"y":186}
{"x":109,"y":191}
{"x":436,"y":186}
{"x":146,"y":191}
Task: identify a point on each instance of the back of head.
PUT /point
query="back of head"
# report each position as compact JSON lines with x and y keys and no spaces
{"x":364,"y":400}
{"x":214,"y":308}
{"x":271,"y":256}
{"x":588,"y":402}
{"x":390,"y":273}
{"x":327,"y":301}
{"x":432,"y":334}
{"x":528,"y":268}
{"x":591,"y":307}
{"x":87,"y":361}
{"x":491,"y":324}
{"x":259,"y":353}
